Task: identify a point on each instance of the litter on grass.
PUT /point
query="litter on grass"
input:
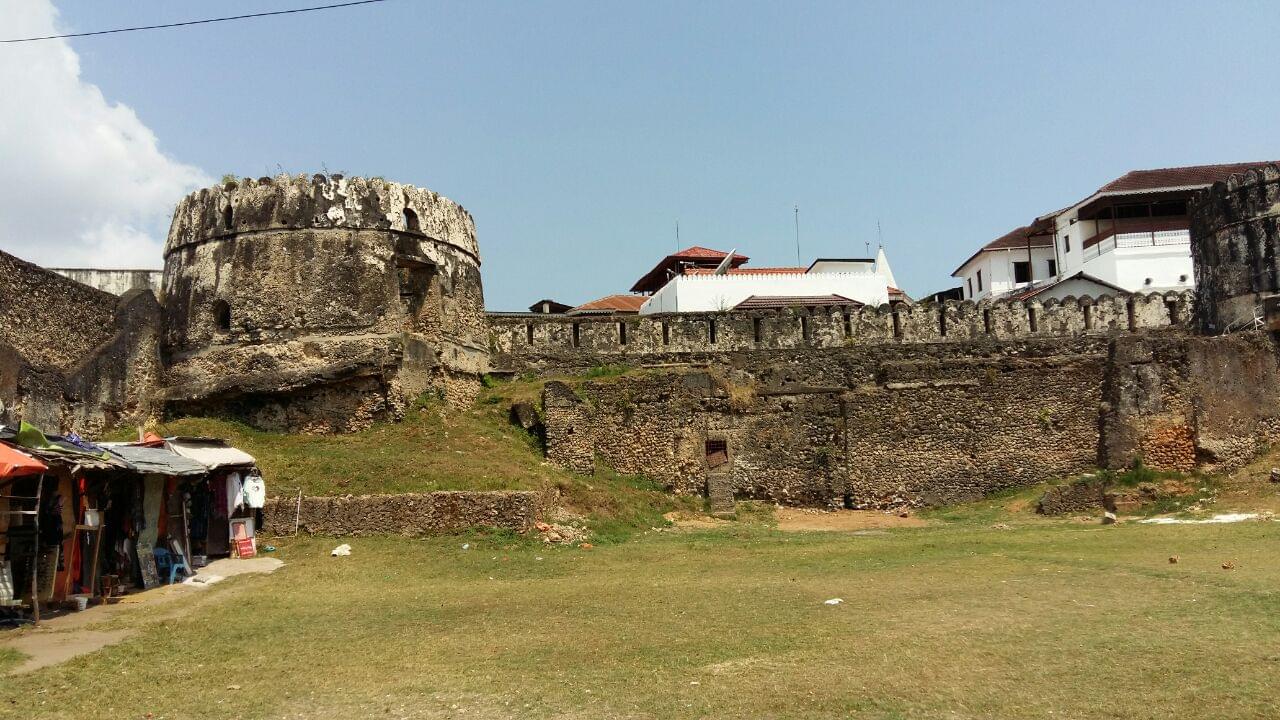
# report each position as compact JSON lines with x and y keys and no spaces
{"x":341,"y":551}
{"x":1216,"y":519}
{"x":833,"y":601}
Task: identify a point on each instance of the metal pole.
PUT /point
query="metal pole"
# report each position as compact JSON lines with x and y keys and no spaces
{"x":35,"y":558}
{"x":797,"y":209}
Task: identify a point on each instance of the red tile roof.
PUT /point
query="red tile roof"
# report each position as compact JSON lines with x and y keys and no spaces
{"x":695,"y":255}
{"x":1190,"y":176}
{"x":776,"y":302}
{"x":1037,"y":234}
{"x":611,"y":304}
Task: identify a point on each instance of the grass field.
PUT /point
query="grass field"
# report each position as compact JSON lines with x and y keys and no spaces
{"x":1045,"y":619}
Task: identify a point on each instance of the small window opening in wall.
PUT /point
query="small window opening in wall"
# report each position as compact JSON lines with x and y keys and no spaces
{"x":848,"y":325}
{"x":222,"y":315}
{"x":1171,"y":306}
{"x":897,"y":325}
{"x":1066,"y":243}
{"x":411,"y":223}
{"x":804,"y":329}
{"x":1147,"y":282}
{"x":622,"y":333}
{"x":666,"y":333}
{"x":528,"y":333}
{"x":1088,"y":317}
{"x":711,"y":331}
{"x":1031,"y":319}
{"x":717,"y":452}
{"x":756,"y":330}
{"x":1182,"y":278}
{"x":979,"y":281}
{"x":987,"y":325}
{"x":1022,"y":271}
{"x":577,"y":335}
{"x":228,"y":217}
{"x":942,"y":320}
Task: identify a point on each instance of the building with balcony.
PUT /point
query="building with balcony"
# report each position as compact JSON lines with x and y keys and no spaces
{"x":1131,"y":234}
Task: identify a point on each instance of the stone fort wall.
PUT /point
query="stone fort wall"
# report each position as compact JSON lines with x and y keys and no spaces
{"x":320,"y":303}
{"x":921,"y":424}
{"x":72,"y":357}
{"x":1235,"y":233}
{"x":523,"y":341}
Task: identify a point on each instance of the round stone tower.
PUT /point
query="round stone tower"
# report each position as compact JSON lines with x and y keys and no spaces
{"x":1235,"y":235}
{"x":320,"y":303}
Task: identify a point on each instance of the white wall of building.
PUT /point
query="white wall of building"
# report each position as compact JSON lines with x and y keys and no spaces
{"x":1142,"y":268}
{"x":1128,"y":260}
{"x":711,"y":293}
{"x":116,"y":282}
{"x":997,"y":271}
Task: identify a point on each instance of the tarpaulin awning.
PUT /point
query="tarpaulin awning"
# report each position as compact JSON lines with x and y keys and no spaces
{"x":210,"y":452}
{"x":14,"y":463}
{"x":155,"y":460}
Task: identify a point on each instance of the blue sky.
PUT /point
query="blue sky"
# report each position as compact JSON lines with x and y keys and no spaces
{"x":578,"y":133}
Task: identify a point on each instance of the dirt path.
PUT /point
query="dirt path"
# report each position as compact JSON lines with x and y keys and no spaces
{"x":68,"y":636}
{"x":804,"y":519}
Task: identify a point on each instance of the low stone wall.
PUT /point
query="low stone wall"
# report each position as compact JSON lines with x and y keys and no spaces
{"x":410,"y":514}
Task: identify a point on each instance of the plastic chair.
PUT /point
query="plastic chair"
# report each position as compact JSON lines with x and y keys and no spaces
{"x":178,"y":563}
{"x":164,"y":562}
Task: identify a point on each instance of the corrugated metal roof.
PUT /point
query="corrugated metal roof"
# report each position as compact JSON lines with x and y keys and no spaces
{"x":210,"y":452}
{"x":158,"y":461}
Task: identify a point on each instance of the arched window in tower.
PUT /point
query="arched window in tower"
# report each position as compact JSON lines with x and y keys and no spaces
{"x":228,"y":221}
{"x":411,"y":221}
{"x":222,"y":316}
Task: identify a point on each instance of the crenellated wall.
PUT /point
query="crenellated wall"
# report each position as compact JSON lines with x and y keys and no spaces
{"x":1235,"y":235}
{"x":922,"y":424}
{"x":529,"y":341}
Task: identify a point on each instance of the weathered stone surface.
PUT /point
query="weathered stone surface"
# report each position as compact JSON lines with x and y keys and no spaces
{"x":321,"y":304}
{"x":565,"y":341}
{"x":412,"y":514}
{"x":1075,"y":497}
{"x":924,"y":424}
{"x":1235,"y":231}
{"x":71,"y":357}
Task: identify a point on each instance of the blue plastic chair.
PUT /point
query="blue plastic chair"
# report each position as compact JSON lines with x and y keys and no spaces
{"x":178,"y":563}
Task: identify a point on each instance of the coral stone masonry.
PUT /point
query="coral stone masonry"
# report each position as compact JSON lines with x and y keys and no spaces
{"x":324,"y":303}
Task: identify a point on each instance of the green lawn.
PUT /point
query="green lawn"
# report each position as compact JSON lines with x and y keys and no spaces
{"x":1049,"y":619}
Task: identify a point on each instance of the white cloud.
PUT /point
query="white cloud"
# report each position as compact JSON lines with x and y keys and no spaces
{"x":82,"y":181}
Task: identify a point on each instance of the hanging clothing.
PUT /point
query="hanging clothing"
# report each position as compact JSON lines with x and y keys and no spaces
{"x":235,"y":493}
{"x":255,"y":491}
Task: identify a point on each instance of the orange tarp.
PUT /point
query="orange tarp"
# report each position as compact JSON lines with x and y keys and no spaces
{"x":15,"y":464}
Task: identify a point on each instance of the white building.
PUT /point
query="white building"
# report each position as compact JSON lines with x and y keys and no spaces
{"x":1132,"y":234}
{"x":1018,"y":258}
{"x":704,"y":288}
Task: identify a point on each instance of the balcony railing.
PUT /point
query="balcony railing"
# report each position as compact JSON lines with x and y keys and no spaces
{"x":1158,"y":238}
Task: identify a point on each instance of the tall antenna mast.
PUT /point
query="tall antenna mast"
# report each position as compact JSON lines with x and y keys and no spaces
{"x":677,"y":234}
{"x":879,"y":235}
{"x":797,"y":209}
